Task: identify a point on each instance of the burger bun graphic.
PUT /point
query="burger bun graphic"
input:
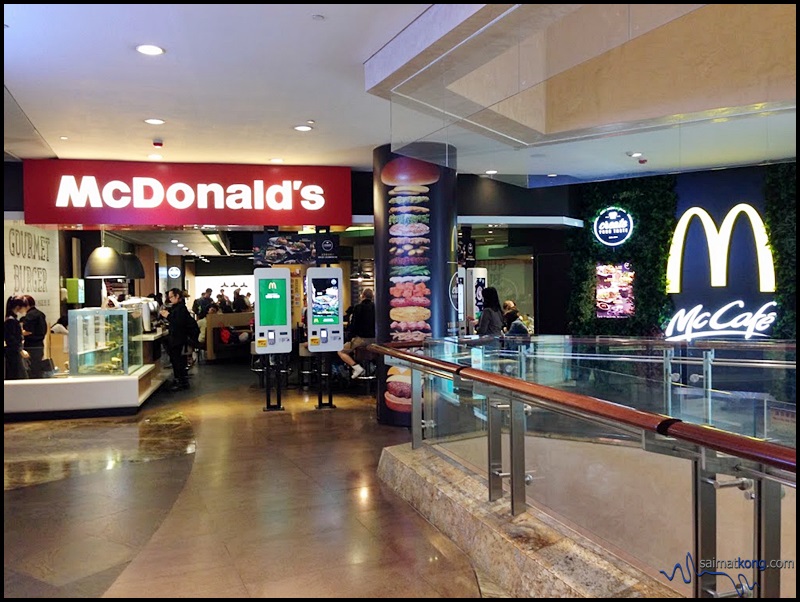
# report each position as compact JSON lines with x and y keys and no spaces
{"x":398,"y":390}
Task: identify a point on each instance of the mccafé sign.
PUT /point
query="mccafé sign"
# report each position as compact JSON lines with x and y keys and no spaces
{"x":178,"y":194}
{"x":732,"y":318}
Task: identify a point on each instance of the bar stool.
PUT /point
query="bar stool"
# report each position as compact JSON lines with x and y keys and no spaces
{"x":305,"y":369}
{"x":369,"y":361}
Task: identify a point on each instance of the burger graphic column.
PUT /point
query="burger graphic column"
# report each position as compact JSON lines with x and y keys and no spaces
{"x":409,"y":270}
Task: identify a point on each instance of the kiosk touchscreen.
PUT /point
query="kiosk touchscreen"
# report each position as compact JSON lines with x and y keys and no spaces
{"x":273,"y":310}
{"x":325,"y":318}
{"x":475,"y":281}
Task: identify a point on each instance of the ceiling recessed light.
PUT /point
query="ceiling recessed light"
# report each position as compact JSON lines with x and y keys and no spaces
{"x":303,"y":128}
{"x":634,"y":154}
{"x":552,"y":175}
{"x":181,"y":245}
{"x":491,"y":172}
{"x":154,"y":121}
{"x":276,"y":160}
{"x":150,"y":49}
{"x":174,"y":241}
{"x":64,"y":138}
{"x":155,"y":157}
{"x":318,"y":17}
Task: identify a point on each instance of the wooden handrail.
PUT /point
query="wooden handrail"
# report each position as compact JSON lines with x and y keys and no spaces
{"x":742,"y":446}
{"x":421,"y":360}
{"x":771,"y":454}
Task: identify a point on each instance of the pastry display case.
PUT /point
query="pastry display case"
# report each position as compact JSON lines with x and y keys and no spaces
{"x":104,"y":342}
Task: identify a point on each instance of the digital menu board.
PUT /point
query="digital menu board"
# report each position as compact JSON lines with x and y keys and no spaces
{"x":614,"y":291}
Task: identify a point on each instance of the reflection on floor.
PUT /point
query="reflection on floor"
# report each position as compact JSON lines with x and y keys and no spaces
{"x":205,"y":494}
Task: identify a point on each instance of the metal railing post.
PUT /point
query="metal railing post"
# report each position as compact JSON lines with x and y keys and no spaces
{"x":518,"y":501}
{"x":767,"y":535}
{"x":669,"y":354}
{"x":704,"y":498}
{"x":495,"y":449}
{"x":708,"y":360}
{"x":416,"y":409}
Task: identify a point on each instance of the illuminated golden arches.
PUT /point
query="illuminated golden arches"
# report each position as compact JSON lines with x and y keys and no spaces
{"x":719,"y":247}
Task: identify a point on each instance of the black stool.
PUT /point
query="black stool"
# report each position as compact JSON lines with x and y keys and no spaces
{"x":369,"y":361}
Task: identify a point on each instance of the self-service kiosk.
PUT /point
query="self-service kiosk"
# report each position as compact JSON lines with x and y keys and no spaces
{"x":325,"y":318}
{"x":325,"y":322}
{"x":471,"y":284}
{"x":273,"y":311}
{"x":273,"y":332}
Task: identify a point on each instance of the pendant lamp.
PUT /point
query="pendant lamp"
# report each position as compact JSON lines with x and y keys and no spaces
{"x":104,"y":262}
{"x":133,"y":266}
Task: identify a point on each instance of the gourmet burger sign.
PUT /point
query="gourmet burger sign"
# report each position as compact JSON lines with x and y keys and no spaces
{"x":172,"y":194}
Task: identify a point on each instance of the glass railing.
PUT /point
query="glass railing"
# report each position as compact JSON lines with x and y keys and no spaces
{"x":745,"y":388}
{"x":610,"y":448}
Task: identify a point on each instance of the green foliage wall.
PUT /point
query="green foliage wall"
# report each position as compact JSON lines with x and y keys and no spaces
{"x":780,"y":218}
{"x":652,"y":203}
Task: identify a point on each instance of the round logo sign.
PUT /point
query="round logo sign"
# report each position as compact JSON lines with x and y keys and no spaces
{"x":327,"y":245}
{"x":613,"y":226}
{"x":174,"y":272}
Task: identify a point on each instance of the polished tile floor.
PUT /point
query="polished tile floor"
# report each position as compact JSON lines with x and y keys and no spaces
{"x":203,"y":493}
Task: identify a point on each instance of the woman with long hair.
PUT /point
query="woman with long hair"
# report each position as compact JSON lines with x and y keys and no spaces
{"x":490,"y":323}
{"x":15,"y":354}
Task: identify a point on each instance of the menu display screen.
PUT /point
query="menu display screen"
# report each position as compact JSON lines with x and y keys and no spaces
{"x":272,"y":302}
{"x":614,"y":292}
{"x":325,"y":300}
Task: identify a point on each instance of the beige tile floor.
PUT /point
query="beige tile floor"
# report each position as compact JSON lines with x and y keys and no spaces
{"x":203,"y":493}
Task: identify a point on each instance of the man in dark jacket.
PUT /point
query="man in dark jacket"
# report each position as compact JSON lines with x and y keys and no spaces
{"x":362,"y":331}
{"x":179,"y":324}
{"x":34,"y":329}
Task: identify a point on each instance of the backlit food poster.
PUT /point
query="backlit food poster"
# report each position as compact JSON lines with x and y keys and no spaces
{"x":614,"y":292}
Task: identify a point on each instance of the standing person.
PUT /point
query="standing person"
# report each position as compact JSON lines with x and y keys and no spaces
{"x":362,"y":331}
{"x":15,"y":354}
{"x":179,"y":323}
{"x":202,"y":303}
{"x":34,"y":329}
{"x":239,"y":303}
{"x":490,"y":323}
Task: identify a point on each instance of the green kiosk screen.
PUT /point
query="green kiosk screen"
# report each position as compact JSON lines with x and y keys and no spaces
{"x":272,"y":302}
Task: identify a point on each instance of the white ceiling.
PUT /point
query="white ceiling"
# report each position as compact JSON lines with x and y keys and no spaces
{"x":236,"y":78}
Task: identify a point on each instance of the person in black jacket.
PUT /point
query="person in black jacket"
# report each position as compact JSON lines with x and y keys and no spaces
{"x":34,"y":329}
{"x":12,"y":335}
{"x":362,"y":331}
{"x":178,"y":323}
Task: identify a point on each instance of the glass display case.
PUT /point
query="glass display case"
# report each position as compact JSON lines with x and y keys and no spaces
{"x":104,"y":342}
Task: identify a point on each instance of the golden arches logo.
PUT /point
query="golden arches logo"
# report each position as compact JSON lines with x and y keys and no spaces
{"x":272,"y":286}
{"x":719,"y":246}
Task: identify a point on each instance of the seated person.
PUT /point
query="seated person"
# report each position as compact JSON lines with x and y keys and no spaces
{"x":515,"y":330}
{"x":202,"y":322}
{"x":362,"y":330}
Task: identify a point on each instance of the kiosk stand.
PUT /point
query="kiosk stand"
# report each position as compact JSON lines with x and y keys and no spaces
{"x":325,"y":322}
{"x":273,"y":331}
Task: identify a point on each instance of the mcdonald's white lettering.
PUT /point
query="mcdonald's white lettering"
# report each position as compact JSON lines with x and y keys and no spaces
{"x":718,"y":247}
{"x":688,"y":325}
{"x":149,"y":193}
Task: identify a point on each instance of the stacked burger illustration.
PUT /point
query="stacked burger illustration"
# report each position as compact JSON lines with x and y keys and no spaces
{"x":409,"y":262}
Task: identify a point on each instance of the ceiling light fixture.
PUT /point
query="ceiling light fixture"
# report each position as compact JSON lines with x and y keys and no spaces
{"x":154,"y":121}
{"x":303,"y":128}
{"x":491,"y":172}
{"x":150,"y":50}
{"x":64,"y":138}
{"x":276,"y":160}
{"x":155,"y":157}
{"x":104,"y":262}
{"x":552,"y":175}
{"x":133,"y":266}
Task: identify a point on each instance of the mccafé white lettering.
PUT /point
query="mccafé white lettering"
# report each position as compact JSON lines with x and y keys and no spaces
{"x":696,"y":323}
{"x":148,"y":193}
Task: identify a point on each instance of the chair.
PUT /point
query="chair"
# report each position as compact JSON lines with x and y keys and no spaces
{"x":369,"y":361}
{"x":305,"y":371}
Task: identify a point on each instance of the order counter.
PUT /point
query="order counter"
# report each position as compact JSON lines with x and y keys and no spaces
{"x":66,"y":394}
